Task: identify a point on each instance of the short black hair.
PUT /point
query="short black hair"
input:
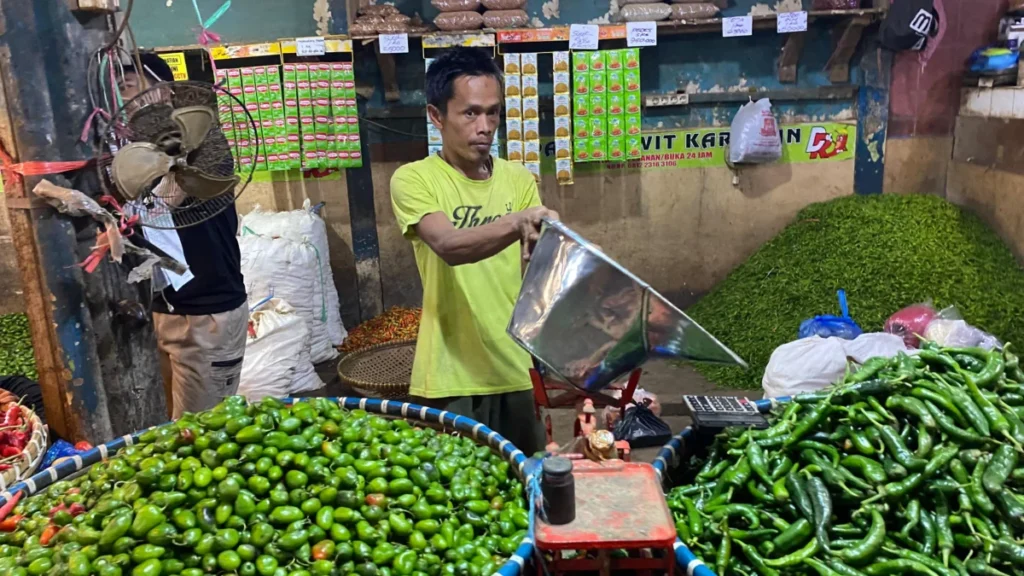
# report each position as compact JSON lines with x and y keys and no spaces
{"x":452,"y":65}
{"x":154,"y":63}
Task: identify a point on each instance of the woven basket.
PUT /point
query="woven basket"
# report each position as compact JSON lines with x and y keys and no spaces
{"x":380,"y":371}
{"x":27,"y":463}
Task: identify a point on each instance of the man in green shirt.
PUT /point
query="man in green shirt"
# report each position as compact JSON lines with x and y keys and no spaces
{"x":464,"y":212}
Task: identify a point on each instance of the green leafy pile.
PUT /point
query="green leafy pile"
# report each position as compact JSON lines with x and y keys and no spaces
{"x":16,"y":356}
{"x":886,"y":251}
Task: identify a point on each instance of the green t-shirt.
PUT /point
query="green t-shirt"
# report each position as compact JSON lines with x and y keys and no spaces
{"x":462,"y":348}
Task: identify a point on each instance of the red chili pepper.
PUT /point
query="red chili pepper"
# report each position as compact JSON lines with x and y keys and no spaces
{"x":11,"y":524}
{"x":76,"y":509}
{"x":8,"y":451}
{"x":375,"y":499}
{"x":6,"y":508}
{"x":83,"y":446}
{"x":48,"y":534}
{"x":5,"y":467}
{"x":56,"y":509}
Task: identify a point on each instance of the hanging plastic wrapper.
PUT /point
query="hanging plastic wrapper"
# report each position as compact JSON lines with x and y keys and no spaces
{"x":754,"y":136}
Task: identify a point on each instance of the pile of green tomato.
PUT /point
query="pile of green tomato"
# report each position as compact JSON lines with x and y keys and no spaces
{"x":301,"y":490}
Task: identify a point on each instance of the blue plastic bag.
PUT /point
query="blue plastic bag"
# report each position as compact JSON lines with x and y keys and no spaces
{"x":826,"y":326}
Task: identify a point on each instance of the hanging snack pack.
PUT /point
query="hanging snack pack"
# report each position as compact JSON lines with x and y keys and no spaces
{"x":606,"y":105}
{"x":531,"y":113}
{"x":562,"y":84}
{"x":227,"y":124}
{"x":291,"y":118}
{"x":514,"y":107}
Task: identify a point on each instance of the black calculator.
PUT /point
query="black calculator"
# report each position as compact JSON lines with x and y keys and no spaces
{"x":714,"y":412}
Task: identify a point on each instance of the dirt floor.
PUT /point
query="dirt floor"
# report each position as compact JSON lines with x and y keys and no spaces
{"x":664,"y":380}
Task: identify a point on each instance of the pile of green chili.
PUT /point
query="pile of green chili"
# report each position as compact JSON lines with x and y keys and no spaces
{"x":910,"y":465}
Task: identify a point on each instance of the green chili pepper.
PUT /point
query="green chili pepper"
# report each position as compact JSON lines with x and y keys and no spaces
{"x":899,"y":451}
{"x":867,"y":370}
{"x":927,"y":533}
{"x":808,"y":423}
{"x":870,"y":469}
{"x":724,"y":553}
{"x":795,"y":558}
{"x":757,"y":462}
{"x":978,"y":567}
{"x":1003,"y":461}
{"x":820,"y":447}
{"x":822,"y":502}
{"x":795,"y":535}
{"x":798,"y":493}
{"x":1011,"y":507}
{"x":756,"y":560}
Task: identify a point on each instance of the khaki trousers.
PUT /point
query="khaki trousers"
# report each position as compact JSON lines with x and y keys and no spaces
{"x":200,"y":357}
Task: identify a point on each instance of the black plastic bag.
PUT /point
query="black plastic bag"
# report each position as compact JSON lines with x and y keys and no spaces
{"x":642,"y":429}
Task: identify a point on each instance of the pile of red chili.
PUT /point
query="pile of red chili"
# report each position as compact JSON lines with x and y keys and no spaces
{"x":397,"y":323}
{"x":15,"y":433}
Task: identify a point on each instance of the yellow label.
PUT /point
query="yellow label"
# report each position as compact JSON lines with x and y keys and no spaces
{"x":245,"y":50}
{"x":176,"y":60}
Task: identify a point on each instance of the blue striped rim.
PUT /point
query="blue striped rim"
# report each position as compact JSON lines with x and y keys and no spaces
{"x":669,"y":457}
{"x":475,"y":430}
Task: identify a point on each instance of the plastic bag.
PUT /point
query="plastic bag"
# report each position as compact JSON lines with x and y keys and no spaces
{"x":453,"y":21}
{"x":505,"y":19}
{"x":365,"y":26}
{"x":398,"y":18}
{"x":826,"y":326}
{"x":910,"y":323}
{"x":642,"y":429}
{"x":835,"y":4}
{"x":380,"y":10}
{"x":693,"y":11}
{"x":503,"y":4}
{"x":59,"y":450}
{"x":949,"y":329}
{"x":391,"y":27}
{"x":874,"y":345}
{"x":456,"y":5}
{"x":754,"y":135}
{"x":612,"y":414}
{"x":645,"y":12}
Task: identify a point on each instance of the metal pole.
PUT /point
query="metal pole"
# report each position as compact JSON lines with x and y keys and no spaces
{"x":98,"y":366}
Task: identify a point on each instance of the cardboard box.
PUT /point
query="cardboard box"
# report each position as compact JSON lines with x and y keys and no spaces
{"x":563,"y":171}
{"x":563,"y":105}
{"x":512,"y":64}
{"x":560,"y":62}
{"x":562,"y":83}
{"x":513,"y":129}
{"x":581,"y":62}
{"x":530,"y":64}
{"x":530,"y":85}
{"x":581,"y":147}
{"x":563,"y":127}
{"x":581,"y":127}
{"x":531,"y":129}
{"x":531,"y":108}
{"x":634,"y":149}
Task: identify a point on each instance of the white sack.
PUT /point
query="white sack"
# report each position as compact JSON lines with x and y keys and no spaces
{"x":754,"y":135}
{"x":276,"y":361}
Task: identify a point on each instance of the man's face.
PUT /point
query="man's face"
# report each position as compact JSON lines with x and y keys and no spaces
{"x":472,"y":118}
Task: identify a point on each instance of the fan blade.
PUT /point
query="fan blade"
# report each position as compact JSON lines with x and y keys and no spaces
{"x":195,"y":123}
{"x":202,"y":185}
{"x":136,"y":166}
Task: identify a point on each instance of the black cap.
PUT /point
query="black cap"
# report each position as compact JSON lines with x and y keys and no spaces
{"x":153,"y":63}
{"x":557,"y":466}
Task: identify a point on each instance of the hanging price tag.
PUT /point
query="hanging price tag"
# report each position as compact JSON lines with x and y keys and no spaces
{"x":310,"y":46}
{"x":737,"y":26}
{"x":640,"y":34}
{"x":790,"y":22}
{"x":394,"y":43}
{"x":584,"y":36}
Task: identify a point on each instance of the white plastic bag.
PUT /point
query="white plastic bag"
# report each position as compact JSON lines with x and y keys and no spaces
{"x":299,"y":225}
{"x":281,"y":268}
{"x":872,"y":345}
{"x":276,"y":361}
{"x":754,"y":136}
{"x":959,"y":334}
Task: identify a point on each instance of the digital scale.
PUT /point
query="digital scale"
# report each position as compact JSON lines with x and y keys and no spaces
{"x":717,"y":412}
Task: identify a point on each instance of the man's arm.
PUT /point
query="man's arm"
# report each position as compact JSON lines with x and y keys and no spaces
{"x":466,"y":246}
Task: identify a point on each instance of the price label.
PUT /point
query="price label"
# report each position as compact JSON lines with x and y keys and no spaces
{"x":310,"y":46}
{"x":640,"y":34}
{"x":584,"y":36}
{"x":394,"y":43}
{"x":738,"y":26}
{"x":790,"y":22}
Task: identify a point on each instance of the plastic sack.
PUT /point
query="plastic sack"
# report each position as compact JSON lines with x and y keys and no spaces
{"x":642,"y":429}
{"x":398,"y":18}
{"x":276,"y":361}
{"x":693,"y":11}
{"x":456,"y":5}
{"x":503,"y":4}
{"x":754,"y":135}
{"x":949,"y":329}
{"x":612,"y":414}
{"x":380,"y":10}
{"x":365,"y":26}
{"x":826,"y":326}
{"x":305,"y":224}
{"x":292,"y":271}
{"x":505,"y":19}
{"x":645,"y":12}
{"x":910,"y":323}
{"x":392,"y":27}
{"x":874,"y":345}
{"x":453,"y":21}
{"x":60,"y":449}
{"x":835,"y":4}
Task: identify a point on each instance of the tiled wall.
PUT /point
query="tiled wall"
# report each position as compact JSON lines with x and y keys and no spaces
{"x":925,"y":98}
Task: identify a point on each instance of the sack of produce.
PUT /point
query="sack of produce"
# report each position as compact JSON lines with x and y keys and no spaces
{"x":291,"y":271}
{"x":754,"y":136}
{"x":455,"y":21}
{"x":503,"y":4}
{"x":645,"y":12}
{"x":393,"y":27}
{"x":379,"y":10}
{"x":642,"y":429}
{"x":804,"y":365}
{"x":720,"y":4}
{"x":694,"y":11}
{"x":910,"y":323}
{"x":505,"y":19}
{"x":835,"y":4}
{"x":276,"y":362}
{"x":910,"y":463}
{"x":364,"y":26}
{"x":456,"y":5}
{"x":305,"y":224}
{"x":826,"y":326}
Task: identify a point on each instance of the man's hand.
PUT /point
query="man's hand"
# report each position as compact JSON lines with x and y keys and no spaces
{"x":528,"y":222}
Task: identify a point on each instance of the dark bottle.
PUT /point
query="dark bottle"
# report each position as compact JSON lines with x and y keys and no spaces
{"x":559,"y":489}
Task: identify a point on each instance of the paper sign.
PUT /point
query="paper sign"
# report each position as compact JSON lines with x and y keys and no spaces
{"x":790,"y":22}
{"x":640,"y":34}
{"x":737,"y":26}
{"x":584,"y":36}
{"x":394,"y":43}
{"x":310,"y":46}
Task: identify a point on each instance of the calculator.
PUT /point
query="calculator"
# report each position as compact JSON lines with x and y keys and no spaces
{"x":723,"y":412}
